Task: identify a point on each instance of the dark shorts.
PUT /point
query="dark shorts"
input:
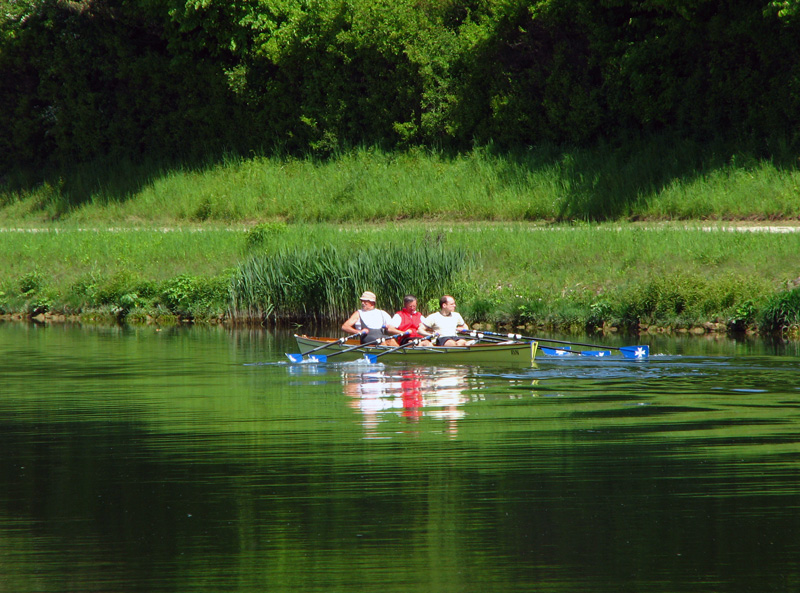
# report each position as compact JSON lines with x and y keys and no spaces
{"x":373,"y":336}
{"x":406,"y":339}
{"x":442,"y":339}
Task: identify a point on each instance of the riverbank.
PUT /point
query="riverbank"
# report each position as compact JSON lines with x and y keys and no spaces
{"x":709,"y":329}
{"x":658,"y":235}
{"x":616,"y":277}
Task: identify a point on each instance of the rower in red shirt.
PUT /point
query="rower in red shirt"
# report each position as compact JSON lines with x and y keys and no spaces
{"x":408,"y":318}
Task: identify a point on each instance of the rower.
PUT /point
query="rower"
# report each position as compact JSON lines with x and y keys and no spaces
{"x":447,"y":323}
{"x":408,"y":318}
{"x":371,"y":323}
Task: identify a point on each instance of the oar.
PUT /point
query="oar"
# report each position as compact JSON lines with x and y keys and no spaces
{"x":627,"y":351}
{"x":557,"y":351}
{"x":568,"y":350}
{"x":324,"y":358}
{"x":415,"y":342}
{"x":547,"y":351}
{"x":299,"y":357}
{"x":373,"y":357}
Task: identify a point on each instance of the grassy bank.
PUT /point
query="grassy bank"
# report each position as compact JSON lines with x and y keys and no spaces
{"x":574,"y":277}
{"x":658,"y":179}
{"x":548,"y":237}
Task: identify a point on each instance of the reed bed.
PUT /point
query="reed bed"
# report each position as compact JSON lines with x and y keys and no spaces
{"x":324,"y":283}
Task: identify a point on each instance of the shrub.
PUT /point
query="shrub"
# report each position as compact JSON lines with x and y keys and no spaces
{"x":744,"y":314}
{"x":30,"y":283}
{"x":600,"y":312}
{"x":781,"y":312}
{"x":261,"y":234}
{"x":195,"y":296}
{"x":664,"y":299}
{"x":481,"y":309}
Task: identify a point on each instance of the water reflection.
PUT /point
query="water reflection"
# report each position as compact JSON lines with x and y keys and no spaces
{"x":392,"y":400}
{"x":199,"y":461}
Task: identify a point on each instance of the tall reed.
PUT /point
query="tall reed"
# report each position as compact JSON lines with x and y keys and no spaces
{"x":324,"y":283}
{"x":782,"y":313}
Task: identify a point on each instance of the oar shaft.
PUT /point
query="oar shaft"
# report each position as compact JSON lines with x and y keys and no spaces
{"x":533,"y":339}
{"x":299,"y":357}
{"x":414,"y":342}
{"x":493,"y":339}
{"x":638,"y":352}
{"x":373,"y":343}
{"x":374,"y":357}
{"x":341,"y":340}
{"x":360,"y":346}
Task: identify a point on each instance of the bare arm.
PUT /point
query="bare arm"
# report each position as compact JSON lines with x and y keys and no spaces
{"x":349,"y":326}
{"x":392,"y":330}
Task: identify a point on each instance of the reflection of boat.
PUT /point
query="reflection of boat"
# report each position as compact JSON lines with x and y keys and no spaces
{"x":514,"y":352}
{"x":407,"y":393}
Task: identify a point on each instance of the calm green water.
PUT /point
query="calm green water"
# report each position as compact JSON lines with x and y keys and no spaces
{"x":200,"y":460}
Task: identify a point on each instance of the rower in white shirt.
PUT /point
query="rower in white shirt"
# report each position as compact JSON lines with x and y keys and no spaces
{"x":447,"y":323}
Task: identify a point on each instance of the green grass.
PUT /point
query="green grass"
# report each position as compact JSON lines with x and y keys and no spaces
{"x":661,"y":178}
{"x":623,"y":275}
{"x":566,"y":277}
{"x":550,"y":231}
{"x":117,"y":272}
{"x":761,"y":191}
{"x":62,"y":254}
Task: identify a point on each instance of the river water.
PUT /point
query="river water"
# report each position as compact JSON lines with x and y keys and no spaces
{"x":199,"y":459}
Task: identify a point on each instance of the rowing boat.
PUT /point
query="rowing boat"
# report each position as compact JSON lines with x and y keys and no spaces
{"x":514,"y":352}
{"x":506,"y":352}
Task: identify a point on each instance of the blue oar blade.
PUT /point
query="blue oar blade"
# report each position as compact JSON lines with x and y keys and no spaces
{"x":598,"y":353}
{"x":295,"y":357}
{"x":371,"y":358}
{"x":555,"y":351}
{"x":317,"y":358}
{"x":635,"y":351}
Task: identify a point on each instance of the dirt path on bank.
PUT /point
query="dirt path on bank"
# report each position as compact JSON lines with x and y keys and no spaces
{"x":777,"y":227}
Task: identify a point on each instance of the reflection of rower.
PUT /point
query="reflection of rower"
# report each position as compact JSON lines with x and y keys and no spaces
{"x":372,"y":391}
{"x":447,"y":398}
{"x":369,"y":393}
{"x":412,"y":395}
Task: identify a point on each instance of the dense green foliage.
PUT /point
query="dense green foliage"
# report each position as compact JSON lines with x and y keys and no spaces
{"x":183,"y":79}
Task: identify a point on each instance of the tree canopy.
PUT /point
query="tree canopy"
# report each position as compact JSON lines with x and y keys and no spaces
{"x":88,"y":79}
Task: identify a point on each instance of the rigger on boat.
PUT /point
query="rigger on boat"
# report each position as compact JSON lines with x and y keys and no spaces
{"x":316,"y":349}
